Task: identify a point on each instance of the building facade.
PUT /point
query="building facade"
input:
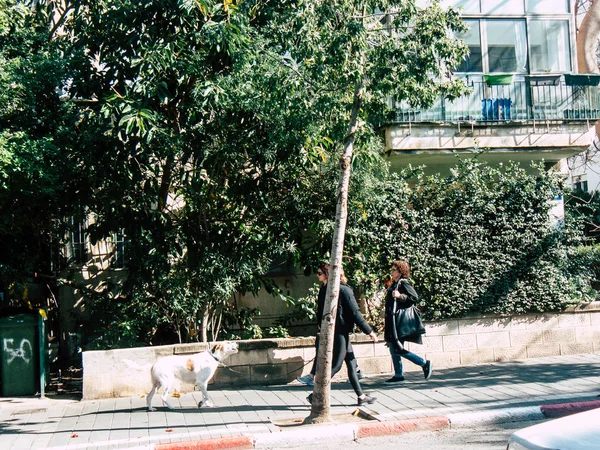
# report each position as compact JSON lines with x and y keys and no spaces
{"x":526,"y":101}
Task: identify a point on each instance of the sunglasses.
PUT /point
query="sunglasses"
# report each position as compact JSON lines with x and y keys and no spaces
{"x":320,"y":273}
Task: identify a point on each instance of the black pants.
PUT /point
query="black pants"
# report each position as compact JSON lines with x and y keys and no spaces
{"x":343,"y":353}
{"x":349,"y":351}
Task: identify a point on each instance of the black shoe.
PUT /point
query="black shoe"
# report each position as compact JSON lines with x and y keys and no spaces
{"x":367,"y":399}
{"x":309,"y":398}
{"x":427,"y":369}
{"x":395,"y":379}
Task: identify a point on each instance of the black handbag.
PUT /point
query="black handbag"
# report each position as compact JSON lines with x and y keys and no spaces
{"x":408,"y":322}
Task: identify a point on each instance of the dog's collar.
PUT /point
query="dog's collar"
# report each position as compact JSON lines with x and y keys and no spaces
{"x":216,"y":359}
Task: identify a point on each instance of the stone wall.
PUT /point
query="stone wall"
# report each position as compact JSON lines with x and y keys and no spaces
{"x":457,"y":342}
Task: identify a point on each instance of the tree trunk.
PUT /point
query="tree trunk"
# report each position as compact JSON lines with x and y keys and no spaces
{"x":204,"y":331}
{"x":320,"y":411}
{"x":587,"y":42}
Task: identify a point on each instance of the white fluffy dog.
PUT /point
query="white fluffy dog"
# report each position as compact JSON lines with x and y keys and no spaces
{"x":198,"y":369}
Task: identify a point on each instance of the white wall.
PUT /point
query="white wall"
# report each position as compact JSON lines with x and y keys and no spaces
{"x":585,"y":167}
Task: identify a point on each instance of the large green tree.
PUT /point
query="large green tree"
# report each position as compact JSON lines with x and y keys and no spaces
{"x":40,"y":183}
{"x":183,"y":152}
{"x":349,"y":58}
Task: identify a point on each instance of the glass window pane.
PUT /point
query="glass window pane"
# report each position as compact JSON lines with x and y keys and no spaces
{"x":502,"y":6}
{"x":468,"y":6}
{"x":549,"y":46}
{"x":472,"y":63}
{"x":506,"y":46}
{"x":548,"y":6}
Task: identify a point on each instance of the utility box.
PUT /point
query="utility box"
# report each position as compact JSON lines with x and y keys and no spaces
{"x":22,"y":359}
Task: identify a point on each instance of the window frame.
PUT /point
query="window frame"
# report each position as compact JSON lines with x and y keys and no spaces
{"x":480,"y":20}
{"x":525,"y":3}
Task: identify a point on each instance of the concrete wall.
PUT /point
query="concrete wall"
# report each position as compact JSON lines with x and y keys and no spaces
{"x":473,"y":340}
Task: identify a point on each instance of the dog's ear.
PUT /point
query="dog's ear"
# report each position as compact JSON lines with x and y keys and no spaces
{"x":217,"y":347}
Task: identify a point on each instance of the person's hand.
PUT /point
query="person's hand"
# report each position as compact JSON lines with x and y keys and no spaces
{"x":395,"y":293}
{"x":373,"y":337}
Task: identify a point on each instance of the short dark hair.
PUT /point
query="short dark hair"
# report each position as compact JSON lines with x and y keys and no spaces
{"x":403,"y":267}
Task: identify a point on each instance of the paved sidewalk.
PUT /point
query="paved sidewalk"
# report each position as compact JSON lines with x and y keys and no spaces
{"x":263,"y":417}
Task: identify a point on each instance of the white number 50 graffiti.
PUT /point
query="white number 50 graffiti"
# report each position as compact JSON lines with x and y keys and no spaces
{"x":24,"y":351}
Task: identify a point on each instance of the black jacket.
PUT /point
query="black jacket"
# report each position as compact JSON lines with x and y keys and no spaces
{"x":348,"y":312}
{"x":408,"y":297}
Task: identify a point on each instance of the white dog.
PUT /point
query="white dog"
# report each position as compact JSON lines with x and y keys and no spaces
{"x":198,"y":369}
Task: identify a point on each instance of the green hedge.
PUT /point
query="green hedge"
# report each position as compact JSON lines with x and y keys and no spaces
{"x":480,"y":240}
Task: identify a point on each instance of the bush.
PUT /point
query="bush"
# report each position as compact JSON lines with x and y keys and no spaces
{"x":480,"y":240}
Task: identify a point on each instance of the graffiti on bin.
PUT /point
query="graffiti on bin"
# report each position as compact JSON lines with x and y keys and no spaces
{"x":24,"y":351}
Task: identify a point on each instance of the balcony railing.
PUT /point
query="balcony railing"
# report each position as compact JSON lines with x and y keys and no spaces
{"x":535,"y":98}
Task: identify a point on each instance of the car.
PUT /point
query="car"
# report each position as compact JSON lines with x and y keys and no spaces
{"x":575,"y":432}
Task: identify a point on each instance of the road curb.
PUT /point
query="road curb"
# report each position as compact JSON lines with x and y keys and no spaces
{"x":540,"y":412}
{"x":232,"y":442}
{"x":565,"y":409}
{"x":309,"y":435}
{"x":402,"y":426}
{"x":320,"y":434}
{"x":480,"y":418}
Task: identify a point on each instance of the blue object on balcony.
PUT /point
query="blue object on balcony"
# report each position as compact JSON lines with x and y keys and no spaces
{"x":496,"y":108}
{"x":502,"y":108}
{"x":486,"y":109}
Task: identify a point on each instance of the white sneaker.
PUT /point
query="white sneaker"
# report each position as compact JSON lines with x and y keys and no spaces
{"x":308,"y":380}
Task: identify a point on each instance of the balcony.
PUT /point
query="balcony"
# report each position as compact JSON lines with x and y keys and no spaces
{"x":526,"y":100}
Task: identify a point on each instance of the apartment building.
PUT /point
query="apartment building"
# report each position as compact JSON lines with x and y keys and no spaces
{"x":527,"y":101}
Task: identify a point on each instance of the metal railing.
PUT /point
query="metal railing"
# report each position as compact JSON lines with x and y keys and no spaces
{"x":521,"y":101}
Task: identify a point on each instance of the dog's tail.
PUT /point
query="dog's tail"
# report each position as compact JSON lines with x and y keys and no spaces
{"x":137,"y":366}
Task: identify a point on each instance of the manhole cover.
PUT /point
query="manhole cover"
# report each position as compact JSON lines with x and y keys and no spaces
{"x":358,"y":415}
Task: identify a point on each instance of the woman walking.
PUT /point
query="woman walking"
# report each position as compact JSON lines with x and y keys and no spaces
{"x":401,"y":295}
{"x":348,"y":314}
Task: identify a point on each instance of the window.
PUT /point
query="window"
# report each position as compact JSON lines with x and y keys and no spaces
{"x":473,"y":62}
{"x":549,"y":46}
{"x":76,"y":250}
{"x":547,"y":6}
{"x":119,"y":259}
{"x":500,"y":46}
{"x":509,"y":7}
{"x":467,"y":6}
{"x":580,"y":186}
{"x":506,"y":46}
{"x":502,"y":7}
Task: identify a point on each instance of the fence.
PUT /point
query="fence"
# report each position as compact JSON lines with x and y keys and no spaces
{"x":532,"y":99}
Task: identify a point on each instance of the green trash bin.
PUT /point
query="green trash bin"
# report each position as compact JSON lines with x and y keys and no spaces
{"x":20,"y":355}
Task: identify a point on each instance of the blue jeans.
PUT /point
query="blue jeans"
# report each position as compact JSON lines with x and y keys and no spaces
{"x":397,"y":361}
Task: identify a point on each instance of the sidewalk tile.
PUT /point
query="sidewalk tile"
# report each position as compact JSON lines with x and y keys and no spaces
{"x":249,"y":410}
